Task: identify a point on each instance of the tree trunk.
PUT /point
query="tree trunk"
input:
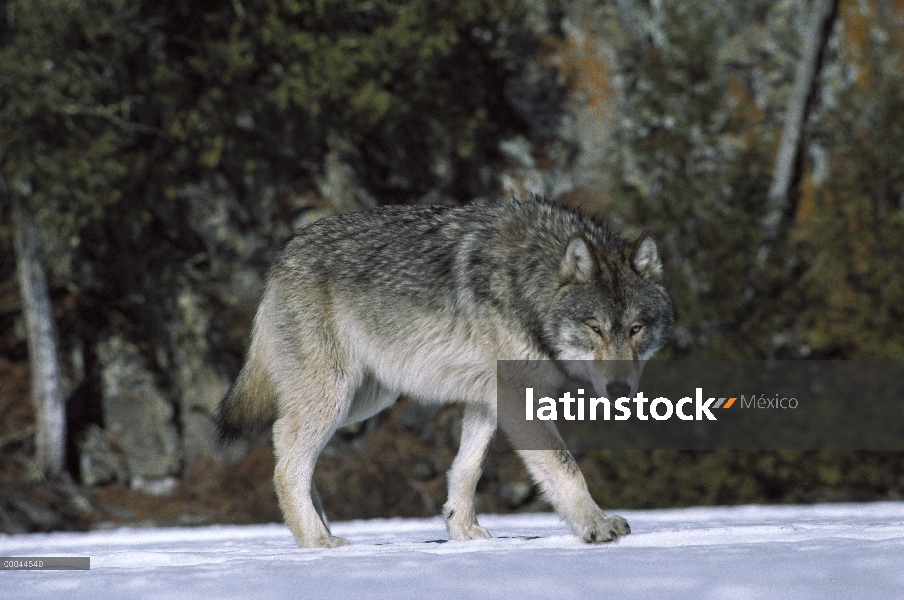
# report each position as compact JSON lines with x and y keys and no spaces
{"x":46,"y":375}
{"x":784,"y":174}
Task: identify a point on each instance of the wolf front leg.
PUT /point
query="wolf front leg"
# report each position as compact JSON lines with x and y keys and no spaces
{"x":477,"y":430}
{"x":297,"y":444}
{"x":548,"y":460}
{"x":562,"y":483}
{"x":555,"y":470}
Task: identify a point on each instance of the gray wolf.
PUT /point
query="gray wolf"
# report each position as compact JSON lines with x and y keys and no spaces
{"x":422,"y":301}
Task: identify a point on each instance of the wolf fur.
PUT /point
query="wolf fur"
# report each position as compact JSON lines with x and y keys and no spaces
{"x":422,"y":301}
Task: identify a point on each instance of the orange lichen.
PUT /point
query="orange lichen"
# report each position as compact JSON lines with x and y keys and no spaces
{"x":583,"y":65}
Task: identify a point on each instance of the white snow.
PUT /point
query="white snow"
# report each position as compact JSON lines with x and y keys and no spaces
{"x":784,"y":552}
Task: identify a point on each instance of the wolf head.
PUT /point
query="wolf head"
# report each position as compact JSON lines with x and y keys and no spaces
{"x":612,"y":312}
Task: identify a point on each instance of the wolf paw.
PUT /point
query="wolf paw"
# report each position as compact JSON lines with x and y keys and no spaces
{"x":330,"y":541}
{"x":604,"y":529}
{"x":335,"y":542}
{"x":472,"y":532}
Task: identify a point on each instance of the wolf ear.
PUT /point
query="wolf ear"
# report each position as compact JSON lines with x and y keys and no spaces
{"x":645,"y":258}
{"x":579,"y":264}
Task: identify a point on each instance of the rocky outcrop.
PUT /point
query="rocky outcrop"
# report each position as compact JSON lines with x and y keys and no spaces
{"x":139,"y":443}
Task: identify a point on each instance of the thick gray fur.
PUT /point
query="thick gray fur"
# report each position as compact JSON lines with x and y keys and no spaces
{"x":422,"y":301}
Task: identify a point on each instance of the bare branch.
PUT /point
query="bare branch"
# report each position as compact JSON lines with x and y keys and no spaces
{"x":822,"y":14}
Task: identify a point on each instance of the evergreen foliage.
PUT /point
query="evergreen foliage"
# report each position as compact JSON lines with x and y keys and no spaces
{"x":123,"y":120}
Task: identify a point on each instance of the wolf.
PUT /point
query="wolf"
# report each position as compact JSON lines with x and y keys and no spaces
{"x":422,"y":301}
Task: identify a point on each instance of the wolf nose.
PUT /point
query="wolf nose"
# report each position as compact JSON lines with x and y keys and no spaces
{"x":618,"y":389}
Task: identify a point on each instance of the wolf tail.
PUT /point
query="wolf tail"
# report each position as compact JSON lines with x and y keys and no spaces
{"x":252,"y":398}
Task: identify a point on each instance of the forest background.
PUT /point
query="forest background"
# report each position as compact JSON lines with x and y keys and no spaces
{"x":153,"y":154}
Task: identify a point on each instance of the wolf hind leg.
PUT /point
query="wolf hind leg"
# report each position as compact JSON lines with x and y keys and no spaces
{"x":299,"y":435}
{"x":478,"y":428}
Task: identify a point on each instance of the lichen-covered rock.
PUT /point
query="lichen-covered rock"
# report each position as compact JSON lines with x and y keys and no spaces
{"x":101,"y":461}
{"x":137,"y":415}
{"x":198,"y":384}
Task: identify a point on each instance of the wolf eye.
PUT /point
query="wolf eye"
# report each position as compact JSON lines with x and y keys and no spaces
{"x":595,"y":327}
{"x":635,"y":329}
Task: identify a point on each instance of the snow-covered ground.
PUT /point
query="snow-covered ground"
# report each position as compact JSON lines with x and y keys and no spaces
{"x":784,"y":552}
